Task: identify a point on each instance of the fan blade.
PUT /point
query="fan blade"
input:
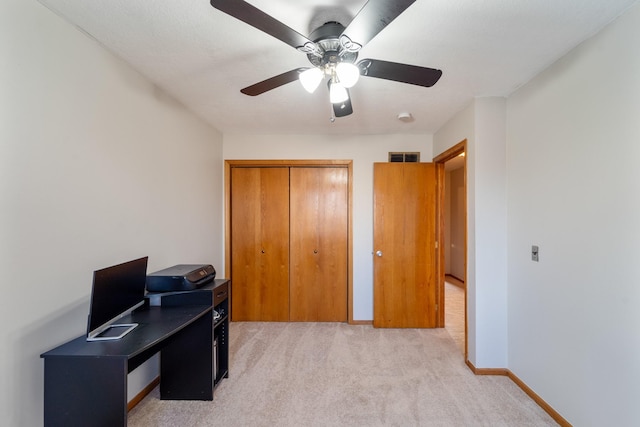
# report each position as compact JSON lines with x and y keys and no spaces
{"x":273,"y":82}
{"x":343,"y":109}
{"x":374,"y":16}
{"x":403,"y":73}
{"x":253,"y":16}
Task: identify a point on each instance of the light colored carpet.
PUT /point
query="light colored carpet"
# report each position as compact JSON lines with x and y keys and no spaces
{"x":334,"y":374}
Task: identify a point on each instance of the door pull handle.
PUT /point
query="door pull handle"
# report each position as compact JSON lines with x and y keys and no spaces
{"x":379,"y":253}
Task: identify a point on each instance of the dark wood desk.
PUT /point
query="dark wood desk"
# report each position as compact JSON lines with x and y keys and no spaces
{"x":85,"y":383}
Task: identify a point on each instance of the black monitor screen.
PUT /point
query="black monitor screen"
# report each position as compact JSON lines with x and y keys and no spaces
{"x":115,"y":291}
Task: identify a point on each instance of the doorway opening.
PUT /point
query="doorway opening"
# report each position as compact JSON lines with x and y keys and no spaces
{"x":452,"y":233}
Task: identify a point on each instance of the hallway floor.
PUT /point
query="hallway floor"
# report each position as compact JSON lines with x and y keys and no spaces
{"x":454,"y":313}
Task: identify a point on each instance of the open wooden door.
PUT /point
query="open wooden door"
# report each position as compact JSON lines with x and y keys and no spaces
{"x":405,"y":280}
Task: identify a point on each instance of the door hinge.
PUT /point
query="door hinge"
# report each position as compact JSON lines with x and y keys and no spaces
{"x":436,"y":244}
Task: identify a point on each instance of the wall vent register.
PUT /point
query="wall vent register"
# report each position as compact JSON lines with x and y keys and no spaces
{"x":412,"y":157}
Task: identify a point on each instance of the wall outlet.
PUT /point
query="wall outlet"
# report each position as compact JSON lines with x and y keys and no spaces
{"x":534,"y":253}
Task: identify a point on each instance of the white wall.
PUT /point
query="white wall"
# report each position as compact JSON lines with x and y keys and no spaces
{"x":574,"y":190}
{"x":97,"y":167}
{"x":482,"y":124}
{"x":364,"y":150}
{"x":491,"y":233}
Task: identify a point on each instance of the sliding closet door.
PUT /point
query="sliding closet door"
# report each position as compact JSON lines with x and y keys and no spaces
{"x":260,"y":244}
{"x":318,"y":242}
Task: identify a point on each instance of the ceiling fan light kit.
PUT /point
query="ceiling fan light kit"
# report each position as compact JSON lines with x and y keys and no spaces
{"x":348,"y":74}
{"x":337,"y":93}
{"x":333,"y":50}
{"x":311,"y":78}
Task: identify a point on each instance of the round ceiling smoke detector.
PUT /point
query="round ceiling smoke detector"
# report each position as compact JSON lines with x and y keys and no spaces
{"x":405,"y":117}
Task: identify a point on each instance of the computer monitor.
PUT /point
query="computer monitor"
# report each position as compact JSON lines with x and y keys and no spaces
{"x":116,"y":291}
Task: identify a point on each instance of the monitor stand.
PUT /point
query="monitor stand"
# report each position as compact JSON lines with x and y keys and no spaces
{"x":113,"y":332}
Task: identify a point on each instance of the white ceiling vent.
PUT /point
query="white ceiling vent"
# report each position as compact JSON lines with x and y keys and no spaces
{"x":413,"y":157}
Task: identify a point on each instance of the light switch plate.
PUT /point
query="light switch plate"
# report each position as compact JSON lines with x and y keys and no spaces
{"x":534,"y":253}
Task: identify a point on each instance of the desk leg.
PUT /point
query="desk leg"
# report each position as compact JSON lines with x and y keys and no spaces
{"x":186,"y":364}
{"x":81,"y":391}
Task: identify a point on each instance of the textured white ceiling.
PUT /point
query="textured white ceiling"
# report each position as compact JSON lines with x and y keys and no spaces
{"x":203,"y":57}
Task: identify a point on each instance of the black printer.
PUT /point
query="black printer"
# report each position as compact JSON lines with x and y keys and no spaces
{"x":181,"y":277}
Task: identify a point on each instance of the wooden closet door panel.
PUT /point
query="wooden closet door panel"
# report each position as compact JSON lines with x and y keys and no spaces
{"x":319,"y":240}
{"x":260,"y":244}
{"x":404,"y":245}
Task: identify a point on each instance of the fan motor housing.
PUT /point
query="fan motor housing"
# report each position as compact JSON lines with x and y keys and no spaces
{"x":327,"y":38}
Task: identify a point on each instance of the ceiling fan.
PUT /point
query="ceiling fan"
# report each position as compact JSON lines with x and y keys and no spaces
{"x":333,"y":50}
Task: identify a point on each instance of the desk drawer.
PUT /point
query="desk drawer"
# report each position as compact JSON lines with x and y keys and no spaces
{"x":220,"y":294}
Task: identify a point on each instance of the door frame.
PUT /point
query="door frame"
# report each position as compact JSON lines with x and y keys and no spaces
{"x":229,"y":164}
{"x":440,"y":160}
